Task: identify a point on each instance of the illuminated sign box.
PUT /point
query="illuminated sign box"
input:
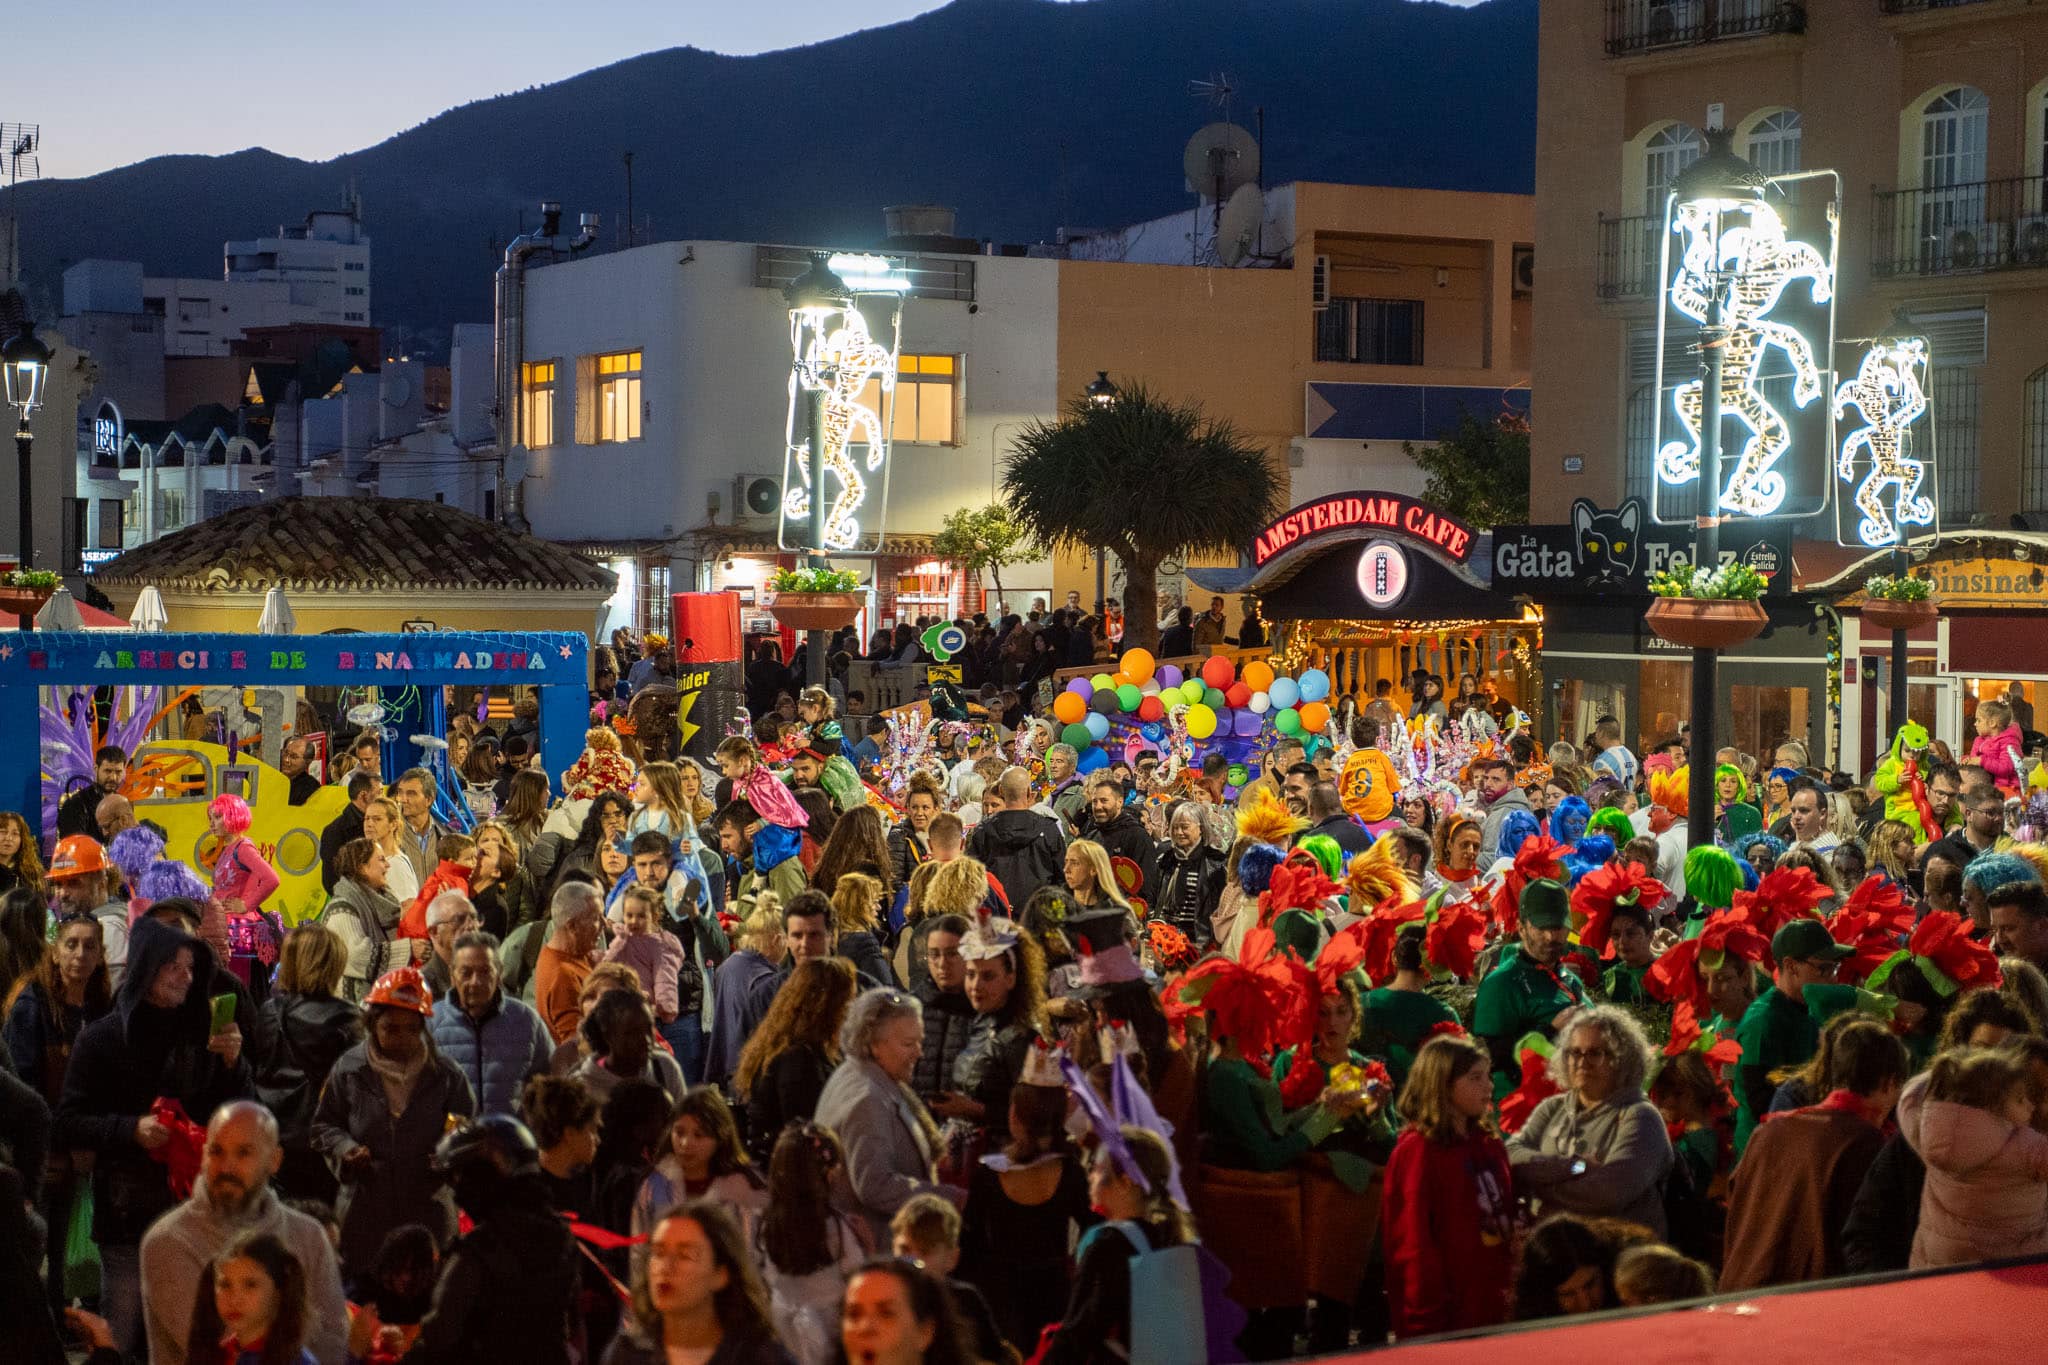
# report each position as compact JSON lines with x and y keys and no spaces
{"x":1365,"y":511}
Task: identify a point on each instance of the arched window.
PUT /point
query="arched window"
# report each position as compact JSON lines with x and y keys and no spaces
{"x":1773,"y":142}
{"x":1670,"y":150}
{"x":2034,"y":448}
{"x":1955,"y":135}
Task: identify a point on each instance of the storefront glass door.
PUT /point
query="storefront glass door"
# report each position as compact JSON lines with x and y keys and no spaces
{"x":1580,"y":704}
{"x":1766,"y":717}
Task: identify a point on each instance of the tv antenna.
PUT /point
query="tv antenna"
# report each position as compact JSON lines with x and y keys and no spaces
{"x":21,"y":141}
{"x":1216,"y":90}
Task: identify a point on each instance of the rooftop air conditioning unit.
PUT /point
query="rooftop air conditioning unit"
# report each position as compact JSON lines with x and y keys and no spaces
{"x":2030,"y":240}
{"x":1319,"y":284}
{"x":756,"y":500}
{"x":1976,"y":246}
{"x":1671,"y":21}
{"x":1525,"y":271}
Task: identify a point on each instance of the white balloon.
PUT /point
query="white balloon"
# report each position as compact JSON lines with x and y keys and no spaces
{"x":1149,"y":688}
{"x":1260,"y":702}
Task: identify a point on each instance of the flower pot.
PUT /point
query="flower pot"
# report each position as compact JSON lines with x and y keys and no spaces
{"x":1882,"y":613}
{"x":815,"y":610}
{"x":23,"y":601}
{"x":1706,"y":623}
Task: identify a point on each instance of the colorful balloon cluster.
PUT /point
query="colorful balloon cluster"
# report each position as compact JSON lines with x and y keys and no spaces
{"x":1220,"y":702}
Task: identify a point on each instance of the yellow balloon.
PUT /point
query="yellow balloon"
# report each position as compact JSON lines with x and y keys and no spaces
{"x":1137,"y":664}
{"x":1201,"y":721}
{"x":1258,"y":675}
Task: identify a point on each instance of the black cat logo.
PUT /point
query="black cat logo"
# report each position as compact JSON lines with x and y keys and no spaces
{"x":1606,"y":543}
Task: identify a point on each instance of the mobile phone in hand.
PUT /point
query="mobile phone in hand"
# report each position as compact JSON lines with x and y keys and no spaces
{"x":223,"y":1012}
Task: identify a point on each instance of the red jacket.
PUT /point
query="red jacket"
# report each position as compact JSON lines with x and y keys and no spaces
{"x":447,"y":876}
{"x":1446,"y":1224}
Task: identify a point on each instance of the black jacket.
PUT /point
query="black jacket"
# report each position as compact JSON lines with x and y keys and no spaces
{"x":308,"y":1032}
{"x":128,"y":1058}
{"x":907,"y":851}
{"x":1878,"y":1234}
{"x":1024,"y":849}
{"x":80,"y":813}
{"x":869,"y":959}
{"x":1348,"y":833}
{"x":631,"y":1348}
{"x":1186,"y":890}
{"x":345,"y":828}
{"x":473,"y":1320}
{"x":785,"y":1092}
{"x":948,"y":1019}
{"x":1176,"y":641}
{"x":1125,"y":837}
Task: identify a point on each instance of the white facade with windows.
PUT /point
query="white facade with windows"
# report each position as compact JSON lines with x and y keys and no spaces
{"x":654,"y":393}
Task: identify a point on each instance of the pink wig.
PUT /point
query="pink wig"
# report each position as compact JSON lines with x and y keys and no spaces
{"x":232,"y":812}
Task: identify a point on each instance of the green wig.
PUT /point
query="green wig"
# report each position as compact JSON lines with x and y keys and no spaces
{"x":1327,"y":852}
{"x":1613,"y":822}
{"x":1741,"y":782}
{"x":1711,"y":876}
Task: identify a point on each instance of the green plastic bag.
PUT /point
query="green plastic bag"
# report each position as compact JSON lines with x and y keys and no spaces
{"x":81,"y":1255}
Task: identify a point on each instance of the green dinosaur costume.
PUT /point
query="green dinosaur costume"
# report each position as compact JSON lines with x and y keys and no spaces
{"x":1894,"y":779}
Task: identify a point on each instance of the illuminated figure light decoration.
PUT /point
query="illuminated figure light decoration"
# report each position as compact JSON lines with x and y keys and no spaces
{"x":1758,"y":263}
{"x":1888,"y":394}
{"x":852,"y":375}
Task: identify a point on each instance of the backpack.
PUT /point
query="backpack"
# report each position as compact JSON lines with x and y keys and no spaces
{"x":1165,"y":1283}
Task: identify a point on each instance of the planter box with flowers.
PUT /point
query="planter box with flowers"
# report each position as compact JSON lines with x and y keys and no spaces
{"x":814,"y":599}
{"x":1703,"y":609}
{"x":1901,"y":603}
{"x":23,"y":591}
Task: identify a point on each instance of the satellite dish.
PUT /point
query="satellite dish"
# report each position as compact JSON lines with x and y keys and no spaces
{"x":515,"y":464}
{"x":397,"y":390}
{"x":1237,"y":227}
{"x":1220,"y":158}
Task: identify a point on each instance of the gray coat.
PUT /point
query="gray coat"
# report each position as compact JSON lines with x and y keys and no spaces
{"x":1513,"y":799}
{"x":1624,"y":1144}
{"x":398,"y":1186}
{"x":889,"y":1159}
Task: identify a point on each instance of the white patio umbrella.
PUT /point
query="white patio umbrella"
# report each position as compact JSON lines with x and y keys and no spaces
{"x":277,"y":617}
{"x":149,"y":615}
{"x":60,"y":612}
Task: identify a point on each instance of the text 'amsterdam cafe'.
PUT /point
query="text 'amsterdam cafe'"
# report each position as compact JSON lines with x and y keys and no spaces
{"x":1373,"y":584}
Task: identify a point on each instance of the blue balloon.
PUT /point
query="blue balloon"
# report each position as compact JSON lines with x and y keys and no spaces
{"x":1153,"y":731}
{"x":1091,"y":759}
{"x":1315,"y":685}
{"x":1098,"y":724}
{"x":1285,"y":692}
{"x":1082,"y":687}
{"x":1247,"y":723}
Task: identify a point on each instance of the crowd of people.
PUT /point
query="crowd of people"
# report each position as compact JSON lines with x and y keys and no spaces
{"x":772,"y":1058}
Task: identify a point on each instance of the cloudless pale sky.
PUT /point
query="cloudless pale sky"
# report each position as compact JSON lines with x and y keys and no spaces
{"x":118,"y":81}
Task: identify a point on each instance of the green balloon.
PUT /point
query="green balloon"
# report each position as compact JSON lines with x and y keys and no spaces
{"x":1212,"y":698}
{"x":1128,"y":696}
{"x":1102,"y":682}
{"x":1192,"y":691}
{"x":1288,"y":722}
{"x":1077,"y":735}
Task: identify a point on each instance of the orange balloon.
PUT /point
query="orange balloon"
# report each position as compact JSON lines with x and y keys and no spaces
{"x":1314,"y":716}
{"x":1069,"y":708}
{"x":1258,"y":675}
{"x":1138,"y":664}
{"x":1119,"y":678}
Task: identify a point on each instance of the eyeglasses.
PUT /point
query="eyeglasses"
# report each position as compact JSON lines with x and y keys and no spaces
{"x":1585,"y":1057}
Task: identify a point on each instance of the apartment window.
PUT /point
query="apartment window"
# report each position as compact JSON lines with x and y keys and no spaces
{"x":611,"y":384}
{"x":1774,"y":142}
{"x":2034,"y":457}
{"x":352,"y":289}
{"x":113,"y":513}
{"x":1955,"y":394}
{"x":131,"y":518}
{"x":927,"y":399}
{"x":1638,"y":453}
{"x":170,"y":510}
{"x":1370,"y":331}
{"x":352,"y":317}
{"x":1670,"y":150}
{"x":653,"y":608}
{"x":537,"y":403}
{"x":352,"y":265}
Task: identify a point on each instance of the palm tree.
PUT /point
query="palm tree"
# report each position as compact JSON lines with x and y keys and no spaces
{"x":1145,"y":477}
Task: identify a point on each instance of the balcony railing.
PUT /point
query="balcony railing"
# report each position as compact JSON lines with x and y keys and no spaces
{"x":1629,"y":257}
{"x":1961,"y":229}
{"x":1922,"y":6}
{"x":1653,"y":25}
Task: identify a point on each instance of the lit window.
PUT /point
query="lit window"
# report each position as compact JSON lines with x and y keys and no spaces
{"x":537,"y":403}
{"x":927,"y":399}
{"x":1774,"y":143}
{"x":615,"y":397}
{"x":652,"y":611}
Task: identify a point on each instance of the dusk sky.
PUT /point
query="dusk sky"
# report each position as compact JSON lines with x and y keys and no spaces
{"x":141,"y":79}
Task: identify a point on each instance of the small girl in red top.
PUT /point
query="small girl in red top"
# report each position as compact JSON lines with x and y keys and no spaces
{"x":1447,"y":1216}
{"x":242,"y":881}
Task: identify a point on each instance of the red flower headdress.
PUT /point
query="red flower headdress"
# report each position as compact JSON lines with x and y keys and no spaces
{"x":1456,"y":933}
{"x":1600,"y":892}
{"x":1299,"y":883}
{"x":1533,"y":1052}
{"x":1783,"y":895}
{"x":1540,"y":857}
{"x":1382,"y":927}
{"x":1872,"y":921}
{"x":1265,"y":1003}
{"x":1952,"y":961}
{"x":1687,"y":1036}
{"x":1680,"y":972}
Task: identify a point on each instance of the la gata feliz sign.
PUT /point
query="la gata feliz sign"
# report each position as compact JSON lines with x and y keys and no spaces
{"x":1364,"y":511}
{"x":1619,"y":550}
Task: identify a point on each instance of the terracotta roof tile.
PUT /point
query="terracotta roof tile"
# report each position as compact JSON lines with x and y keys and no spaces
{"x":375,"y":544}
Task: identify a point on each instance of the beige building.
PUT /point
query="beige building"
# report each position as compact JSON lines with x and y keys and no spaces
{"x":1935,"y":112}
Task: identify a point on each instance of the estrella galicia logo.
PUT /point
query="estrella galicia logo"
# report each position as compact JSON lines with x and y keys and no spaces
{"x":1607,"y":545}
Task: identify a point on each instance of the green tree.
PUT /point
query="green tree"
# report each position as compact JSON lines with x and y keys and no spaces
{"x":1480,"y":472}
{"x":1145,"y":477}
{"x":985,"y":540}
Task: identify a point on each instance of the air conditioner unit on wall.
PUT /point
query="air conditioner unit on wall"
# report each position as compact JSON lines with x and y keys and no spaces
{"x":756,"y":499}
{"x":1319,"y":284}
{"x":1671,"y":21}
{"x":1977,"y":246}
{"x":1524,"y":275}
{"x":2030,"y":240}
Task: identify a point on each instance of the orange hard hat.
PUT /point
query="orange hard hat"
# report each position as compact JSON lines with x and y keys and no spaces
{"x":403,"y":988}
{"x":77,"y":855}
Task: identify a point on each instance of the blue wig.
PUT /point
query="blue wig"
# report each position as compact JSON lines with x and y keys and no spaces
{"x":1749,"y":877}
{"x":1594,"y":850}
{"x":1568,"y":821}
{"x":1255,"y":868}
{"x":1518,"y":828}
{"x":1989,"y":871}
{"x":134,"y":849}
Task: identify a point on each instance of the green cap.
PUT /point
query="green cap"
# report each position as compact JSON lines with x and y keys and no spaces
{"x":1546,"y":904}
{"x":1808,"y":940}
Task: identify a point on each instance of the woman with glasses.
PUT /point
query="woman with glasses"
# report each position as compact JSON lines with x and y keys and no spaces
{"x":1600,"y":1148}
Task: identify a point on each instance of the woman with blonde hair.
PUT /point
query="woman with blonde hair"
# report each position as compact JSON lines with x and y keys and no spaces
{"x":784,"y":1066}
{"x":856,"y":915}
{"x":695,"y":801}
{"x":1891,"y":848}
{"x":19,"y":865}
{"x":1091,"y":879}
{"x":313,"y":1026}
{"x":381,"y":823}
{"x":502,"y":890}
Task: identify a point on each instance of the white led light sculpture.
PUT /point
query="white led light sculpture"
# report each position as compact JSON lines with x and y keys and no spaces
{"x":1888,"y":394}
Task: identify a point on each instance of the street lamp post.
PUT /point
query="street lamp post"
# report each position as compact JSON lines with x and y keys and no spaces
{"x":1102,"y":394}
{"x":814,"y":297}
{"x":26,"y":362}
{"x":1719,"y":183}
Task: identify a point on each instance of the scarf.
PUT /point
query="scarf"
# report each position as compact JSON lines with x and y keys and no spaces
{"x":401,"y":1079}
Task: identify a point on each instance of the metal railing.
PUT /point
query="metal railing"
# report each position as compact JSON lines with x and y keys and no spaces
{"x":1629,"y":257}
{"x":1921,"y":6}
{"x":1653,"y":25}
{"x":1960,"y":229}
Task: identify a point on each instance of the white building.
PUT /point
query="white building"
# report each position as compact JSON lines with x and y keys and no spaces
{"x":653,"y":394}
{"x":318,"y":272}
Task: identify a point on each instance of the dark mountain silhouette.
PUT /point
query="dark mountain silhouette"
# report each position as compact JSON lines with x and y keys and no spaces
{"x":1022,"y":114}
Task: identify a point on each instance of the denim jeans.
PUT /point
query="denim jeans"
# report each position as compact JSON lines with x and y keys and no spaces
{"x":685,"y":1037}
{"x":121,"y":1296}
